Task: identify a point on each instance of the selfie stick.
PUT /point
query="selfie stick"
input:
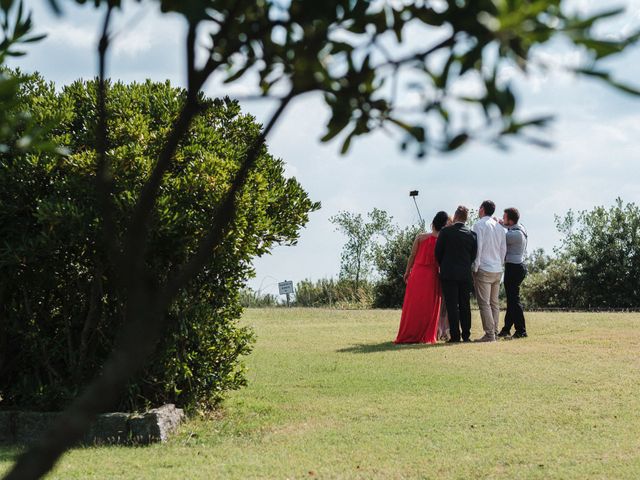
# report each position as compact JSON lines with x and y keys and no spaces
{"x":414,"y":194}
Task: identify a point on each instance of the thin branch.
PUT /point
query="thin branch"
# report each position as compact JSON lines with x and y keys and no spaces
{"x":139,"y":223}
{"x":224,"y":213}
{"x":103,"y":168}
{"x":420,"y":56}
{"x":145,"y":308}
{"x":191,"y":56}
{"x":136,"y":236}
{"x":132,"y":24}
{"x":212,"y":63}
{"x":255,"y":98}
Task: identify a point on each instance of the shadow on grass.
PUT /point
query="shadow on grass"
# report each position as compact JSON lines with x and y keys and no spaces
{"x":388,"y":346}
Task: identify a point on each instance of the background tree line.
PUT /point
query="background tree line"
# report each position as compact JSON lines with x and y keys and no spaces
{"x":596,"y":266}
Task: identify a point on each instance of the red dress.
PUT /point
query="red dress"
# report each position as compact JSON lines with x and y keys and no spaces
{"x":421,"y":308}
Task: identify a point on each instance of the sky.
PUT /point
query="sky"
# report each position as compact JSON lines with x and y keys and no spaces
{"x":594,"y":160}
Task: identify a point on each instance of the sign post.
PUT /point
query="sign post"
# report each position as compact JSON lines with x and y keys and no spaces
{"x":286,"y":288}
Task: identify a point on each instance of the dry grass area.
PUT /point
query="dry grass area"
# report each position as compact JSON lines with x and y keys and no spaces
{"x":330,"y":397}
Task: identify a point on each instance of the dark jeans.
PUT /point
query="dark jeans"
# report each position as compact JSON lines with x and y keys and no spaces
{"x":514,"y":274}
{"x":456,"y":298}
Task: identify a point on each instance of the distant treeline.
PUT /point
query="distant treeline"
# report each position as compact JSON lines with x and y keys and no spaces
{"x":596,"y":267}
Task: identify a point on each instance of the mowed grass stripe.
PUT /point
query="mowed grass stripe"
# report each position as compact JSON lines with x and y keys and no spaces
{"x":330,"y":396}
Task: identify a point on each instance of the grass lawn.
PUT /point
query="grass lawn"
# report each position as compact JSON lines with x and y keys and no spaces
{"x":330,"y":397}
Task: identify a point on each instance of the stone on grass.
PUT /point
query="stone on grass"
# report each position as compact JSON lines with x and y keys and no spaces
{"x":156,"y":425}
{"x":109,"y":429}
{"x":29,"y":426}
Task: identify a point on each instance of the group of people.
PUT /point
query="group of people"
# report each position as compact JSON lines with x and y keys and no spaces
{"x":450,"y":262}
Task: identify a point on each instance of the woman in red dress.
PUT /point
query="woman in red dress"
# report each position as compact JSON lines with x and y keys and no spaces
{"x":422,"y":298}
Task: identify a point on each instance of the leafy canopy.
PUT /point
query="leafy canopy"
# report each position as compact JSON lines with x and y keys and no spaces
{"x":358,"y":253}
{"x":396,"y":65}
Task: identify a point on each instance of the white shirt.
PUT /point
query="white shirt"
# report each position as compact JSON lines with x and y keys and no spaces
{"x":492,"y":245}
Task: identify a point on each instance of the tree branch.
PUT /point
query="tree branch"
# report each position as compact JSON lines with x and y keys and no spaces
{"x":104,"y":181}
{"x":223,"y":215}
{"x":70,"y":427}
{"x":421,"y":56}
{"x":134,"y":255}
{"x":196,"y":78}
{"x":191,"y":56}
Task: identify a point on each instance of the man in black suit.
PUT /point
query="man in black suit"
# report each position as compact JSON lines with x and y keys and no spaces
{"x":456,"y":250}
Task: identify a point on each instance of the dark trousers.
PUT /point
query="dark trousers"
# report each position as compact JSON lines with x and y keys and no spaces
{"x":456,"y":298}
{"x":514,"y":274}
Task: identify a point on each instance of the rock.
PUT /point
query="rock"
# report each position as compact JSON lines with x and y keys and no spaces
{"x":30,"y":425}
{"x":109,"y":429}
{"x":156,"y":425}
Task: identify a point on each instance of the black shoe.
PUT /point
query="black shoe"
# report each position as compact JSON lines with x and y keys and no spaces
{"x":466,"y":340}
{"x":519,"y":335}
{"x":504,"y":334}
{"x":451,"y":340}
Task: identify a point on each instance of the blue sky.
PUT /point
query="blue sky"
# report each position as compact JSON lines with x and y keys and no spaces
{"x":595,"y":158}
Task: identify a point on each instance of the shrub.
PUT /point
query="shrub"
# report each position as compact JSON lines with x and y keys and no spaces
{"x":334,"y":293}
{"x":251,"y":299}
{"x":61,"y":303}
{"x":552,"y":287}
{"x":604,"y":244}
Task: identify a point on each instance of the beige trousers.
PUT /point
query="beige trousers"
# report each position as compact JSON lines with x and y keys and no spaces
{"x":487,"y":293}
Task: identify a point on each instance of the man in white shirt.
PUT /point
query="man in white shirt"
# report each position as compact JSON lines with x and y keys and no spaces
{"x":487,"y":268}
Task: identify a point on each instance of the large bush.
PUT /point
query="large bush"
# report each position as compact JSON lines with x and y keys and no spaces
{"x":60,"y":300}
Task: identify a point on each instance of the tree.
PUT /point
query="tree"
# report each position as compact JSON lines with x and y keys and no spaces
{"x":391,"y":263}
{"x":60,"y":308}
{"x":537,"y":261}
{"x":553,"y":285}
{"x":604,"y":246}
{"x":358,"y":252}
{"x":339,"y":48}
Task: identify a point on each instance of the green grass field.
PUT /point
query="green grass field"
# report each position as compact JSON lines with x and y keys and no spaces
{"x":330,"y":397}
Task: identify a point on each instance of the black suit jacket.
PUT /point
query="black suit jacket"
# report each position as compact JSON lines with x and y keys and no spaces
{"x":456,"y":249}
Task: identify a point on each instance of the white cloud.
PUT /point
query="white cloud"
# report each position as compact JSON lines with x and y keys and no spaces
{"x":67,"y":34}
{"x":136,"y":41}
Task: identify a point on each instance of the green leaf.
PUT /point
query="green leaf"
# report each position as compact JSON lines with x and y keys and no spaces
{"x":457,"y":141}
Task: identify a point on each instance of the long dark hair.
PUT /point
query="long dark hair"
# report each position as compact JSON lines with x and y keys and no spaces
{"x":440,"y":221}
